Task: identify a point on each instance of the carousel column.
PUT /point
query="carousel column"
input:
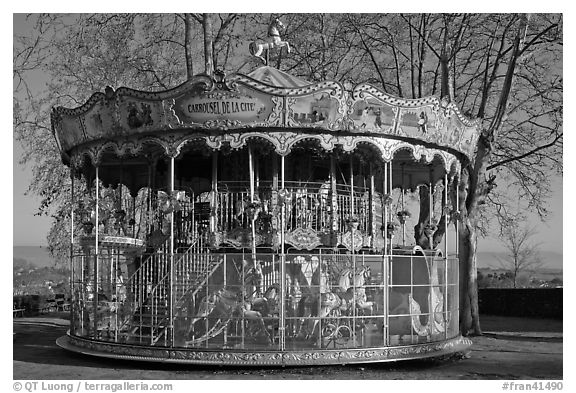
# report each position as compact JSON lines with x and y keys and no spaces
{"x":252,"y":217}
{"x":333,"y":199}
{"x":403,"y":209}
{"x":214,"y":199}
{"x":72,"y":270}
{"x":446,"y":256}
{"x":274,"y":204}
{"x":372,"y":208}
{"x":172,"y":276}
{"x":352,"y":245}
{"x":457,"y":210}
{"x":95,"y":299}
{"x":390,"y":187}
{"x":282,"y":322}
{"x":384,"y":268}
{"x":430,"y":233}
{"x":385,"y":198}
{"x":388,"y":264}
{"x":457,"y":244}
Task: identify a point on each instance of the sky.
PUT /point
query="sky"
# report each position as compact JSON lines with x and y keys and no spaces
{"x":31,"y":230}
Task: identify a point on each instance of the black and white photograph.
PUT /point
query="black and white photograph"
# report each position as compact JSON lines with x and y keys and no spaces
{"x":287,"y":196}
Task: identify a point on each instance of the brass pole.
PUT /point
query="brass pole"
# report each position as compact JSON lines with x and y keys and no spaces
{"x":171,"y":324}
{"x":72,"y":329}
{"x":95,"y":289}
{"x":282,"y":322}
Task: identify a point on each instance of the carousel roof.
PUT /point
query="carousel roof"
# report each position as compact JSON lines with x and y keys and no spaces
{"x":275,"y":77}
{"x":266,"y":103}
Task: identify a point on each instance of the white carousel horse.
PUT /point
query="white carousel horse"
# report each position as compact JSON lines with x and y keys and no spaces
{"x":409,"y":311}
{"x":408,"y":319}
{"x":336,"y":303}
{"x":357,"y":293}
{"x":256,"y":48}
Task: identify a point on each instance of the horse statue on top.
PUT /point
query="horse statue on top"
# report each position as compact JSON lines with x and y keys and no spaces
{"x":274,"y":40}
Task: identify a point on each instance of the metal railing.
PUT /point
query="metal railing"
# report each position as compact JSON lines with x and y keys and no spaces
{"x":309,"y":205}
{"x":192,"y":269}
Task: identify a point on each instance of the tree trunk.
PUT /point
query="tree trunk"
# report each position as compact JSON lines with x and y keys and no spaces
{"x":469,"y":312}
{"x":208,"y":41}
{"x":470,"y":195}
{"x":188,"y":40}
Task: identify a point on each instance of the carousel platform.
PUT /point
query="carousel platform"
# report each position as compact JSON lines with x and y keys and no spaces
{"x":258,"y":358}
{"x":511,"y":349}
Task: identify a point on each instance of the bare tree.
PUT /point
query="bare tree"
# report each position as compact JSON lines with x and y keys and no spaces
{"x":523,"y":253}
{"x":504,"y":69}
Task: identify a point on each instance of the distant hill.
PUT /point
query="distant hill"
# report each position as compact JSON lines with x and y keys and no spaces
{"x":39,"y":256}
{"x":36,"y":255}
{"x":550,"y":260}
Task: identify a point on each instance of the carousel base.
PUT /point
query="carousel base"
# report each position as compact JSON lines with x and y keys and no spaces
{"x":262,"y":358}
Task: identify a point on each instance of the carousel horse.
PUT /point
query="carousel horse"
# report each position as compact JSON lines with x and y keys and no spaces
{"x":274,"y":40}
{"x":357,"y":292}
{"x":241,"y":211}
{"x":351,"y":293}
{"x":267,"y":305}
{"x":219,"y":308}
{"x":420,"y":310}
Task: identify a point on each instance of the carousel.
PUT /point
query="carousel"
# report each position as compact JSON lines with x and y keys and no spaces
{"x":259,"y":219}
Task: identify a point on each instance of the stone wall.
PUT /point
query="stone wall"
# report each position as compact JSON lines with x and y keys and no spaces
{"x":521,"y":302}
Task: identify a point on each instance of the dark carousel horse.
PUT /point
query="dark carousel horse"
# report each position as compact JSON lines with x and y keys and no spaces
{"x":219,"y":308}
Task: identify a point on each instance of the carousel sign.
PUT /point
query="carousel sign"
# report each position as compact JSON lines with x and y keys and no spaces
{"x":220,"y":106}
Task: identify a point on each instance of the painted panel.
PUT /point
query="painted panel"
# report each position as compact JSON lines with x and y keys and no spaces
{"x":317,"y":109}
{"x":373,"y":115}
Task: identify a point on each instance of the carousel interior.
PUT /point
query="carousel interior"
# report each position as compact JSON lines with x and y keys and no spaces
{"x":212,"y":277}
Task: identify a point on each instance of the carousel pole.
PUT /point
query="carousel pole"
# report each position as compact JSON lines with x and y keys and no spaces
{"x":385,"y":208}
{"x":282,"y":322}
{"x":402,"y":202}
{"x":334,"y":196}
{"x":351,"y":188}
{"x":372,"y":215}
{"x":352,"y":232}
{"x":385,"y":256}
{"x":445,"y":257}
{"x":120,"y":196}
{"x":431,"y":208}
{"x":214,"y":201}
{"x":171,"y":323}
{"x":390,"y":187}
{"x":274,"y":205}
{"x":457,"y":239}
{"x":71,"y":282}
{"x":253,"y":218}
{"x":457,"y":221}
{"x":95,"y":289}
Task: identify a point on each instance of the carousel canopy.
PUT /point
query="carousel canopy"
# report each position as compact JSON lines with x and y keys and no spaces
{"x":123,"y":124}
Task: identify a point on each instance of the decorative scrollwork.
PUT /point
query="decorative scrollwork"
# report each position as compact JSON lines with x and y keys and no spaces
{"x":303,"y":238}
{"x":268,"y":358}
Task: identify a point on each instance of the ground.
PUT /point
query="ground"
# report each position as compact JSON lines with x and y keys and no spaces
{"x":510,"y":349}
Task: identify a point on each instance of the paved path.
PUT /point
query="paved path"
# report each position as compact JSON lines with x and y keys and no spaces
{"x":499,"y":354}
